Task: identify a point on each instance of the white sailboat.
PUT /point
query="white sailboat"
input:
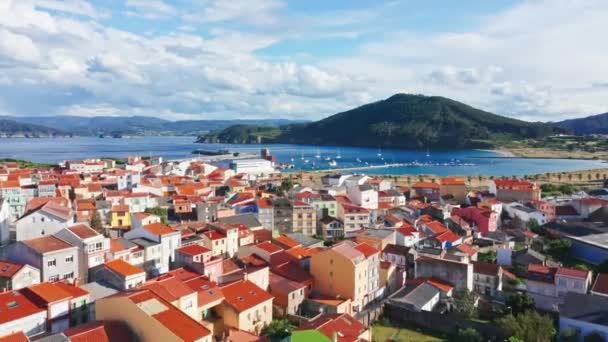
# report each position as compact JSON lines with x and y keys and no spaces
{"x":338,"y":156}
{"x":428,"y":154}
{"x":379,"y":154}
{"x":332,"y":163}
{"x":318,"y":155}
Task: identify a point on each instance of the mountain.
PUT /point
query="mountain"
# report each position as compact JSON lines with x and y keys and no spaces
{"x":10,"y":128}
{"x":242,"y":134}
{"x":595,"y":124}
{"x":403,"y":121}
{"x":136,"y":125}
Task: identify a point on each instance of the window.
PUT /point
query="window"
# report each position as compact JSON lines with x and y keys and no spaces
{"x":331,"y":273}
{"x":69,"y":259}
{"x":53,"y":278}
{"x":578,"y":285}
{"x":51,"y":263}
{"x":68,"y":275}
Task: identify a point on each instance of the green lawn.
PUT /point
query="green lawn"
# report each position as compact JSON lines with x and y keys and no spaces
{"x":382,"y":333}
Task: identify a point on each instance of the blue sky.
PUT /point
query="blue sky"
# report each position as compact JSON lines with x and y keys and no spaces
{"x":191,"y":59}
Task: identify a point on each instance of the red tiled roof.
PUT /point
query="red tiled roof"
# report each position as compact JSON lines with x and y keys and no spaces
{"x":213,"y":235}
{"x":452,"y":181}
{"x":83,"y":231}
{"x":441,"y":285}
{"x":168,"y":287}
{"x":347,"y":328}
{"x":447,"y":236}
{"x":565,"y":210}
{"x":425,"y":185}
{"x":572,"y":273}
{"x":48,"y":292}
{"x":178,"y":322}
{"x":208,"y":291}
{"x":269,"y":247}
{"x":100,"y":331}
{"x":486,"y":268}
{"x":366,"y":249}
{"x":287,"y":241}
{"x":244,"y":295}
{"x":467,"y":249}
{"x":46,"y":244}
{"x":264,"y":203}
{"x":601,"y":284}
{"x":193,"y":250}
{"x":18,"y":336}
{"x":14,"y":305}
{"x":123,"y":268}
{"x":121,"y":208}
{"x":436,"y":227}
{"x":159,"y":229}
{"x":515,"y":184}
{"x":8,"y":268}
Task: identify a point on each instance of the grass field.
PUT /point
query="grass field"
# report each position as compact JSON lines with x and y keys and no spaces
{"x":383,"y":333}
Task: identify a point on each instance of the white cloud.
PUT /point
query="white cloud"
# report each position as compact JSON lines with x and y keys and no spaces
{"x":150,"y":9}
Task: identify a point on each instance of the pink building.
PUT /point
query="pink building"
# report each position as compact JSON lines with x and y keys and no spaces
{"x":484,"y":219}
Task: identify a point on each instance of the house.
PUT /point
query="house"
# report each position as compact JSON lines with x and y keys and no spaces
{"x":406,"y":235}
{"x":526,"y":214}
{"x":11,"y":192}
{"x":20,"y":313}
{"x":325,"y":204}
{"x":192,"y":254}
{"x":304,"y":218}
{"x":64,"y":303}
{"x":572,"y":280}
{"x":541,"y":281}
{"x":453,"y":186}
{"x":14,"y":276}
{"x":377,"y":238}
{"x":398,"y":255}
{"x":515,"y":190}
{"x":47,"y":219}
{"x":100,"y":331}
{"x":231,"y":233}
{"x":246,"y":306}
{"x":585,"y":314}
{"x":487,"y":278}
{"x":55,"y":258}
{"x":168,"y":239}
{"x":429,"y":191}
{"x":282,"y":215}
{"x":5,"y":233}
{"x":92,"y":247}
{"x":418,"y":296}
{"x":209,"y":295}
{"x":288,"y":295}
{"x":265,"y":213}
{"x":341,"y":327}
{"x":173,"y":289}
{"x":343,"y":270}
{"x":120,"y":217}
{"x":138,"y":220}
{"x":151,"y":317}
{"x":331,"y":227}
{"x":363,"y":195}
{"x":550,"y":285}
{"x":215,"y":241}
{"x":119,"y":274}
{"x":600,"y":286}
{"x":354,"y":217}
{"x":483,"y":220}
{"x":457,"y":273}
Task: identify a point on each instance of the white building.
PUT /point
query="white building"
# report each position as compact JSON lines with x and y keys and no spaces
{"x":44,"y":221}
{"x":5,"y":233}
{"x":525,"y":213}
{"x":363,"y":195}
{"x":169,"y":241}
{"x":256,"y":167}
{"x":92,"y":247}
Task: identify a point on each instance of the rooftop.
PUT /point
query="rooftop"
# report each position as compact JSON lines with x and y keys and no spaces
{"x":244,"y":295}
{"x":123,"y":268}
{"x":83,"y":231}
{"x":47,"y":244}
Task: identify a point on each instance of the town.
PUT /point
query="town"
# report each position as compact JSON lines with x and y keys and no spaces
{"x":146,"y":249}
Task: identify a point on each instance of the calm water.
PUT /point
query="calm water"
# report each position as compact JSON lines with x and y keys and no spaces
{"x":468,"y":162}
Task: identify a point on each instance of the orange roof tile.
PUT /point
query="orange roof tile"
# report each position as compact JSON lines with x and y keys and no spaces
{"x":244,"y":295}
{"x":15,"y":305}
{"x":269,"y":247}
{"x":100,"y":331}
{"x":193,"y":250}
{"x":18,"y":336}
{"x":47,"y":244}
{"x":159,"y":229}
{"x":366,"y":249}
{"x":8,"y":268}
{"x":123,"y":268}
{"x":49,"y":292}
{"x":83,"y":231}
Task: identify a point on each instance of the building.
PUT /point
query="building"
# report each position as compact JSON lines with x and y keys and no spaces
{"x":168,"y":239}
{"x":21,"y":314}
{"x":151,"y":318}
{"x":246,"y":306}
{"x":215,"y":241}
{"x":428,"y":191}
{"x":92,"y":247}
{"x":483,"y":220}
{"x":377,"y":238}
{"x":572,"y":280}
{"x":326,"y":205}
{"x":257,"y":167}
{"x":526,"y":214}
{"x":515,"y":190}
{"x":173,"y":289}
{"x":100,"y":331}
{"x":331,"y":227}
{"x":354,"y":217}
{"x":600,"y":286}
{"x":282,"y":216}
{"x":341,"y":327}
{"x":584,"y":314}
{"x":363,"y":195}
{"x":457,"y":273}
{"x":192,"y":254}
{"x":453,"y":186}
{"x":304,"y":218}
{"x":343,"y":270}
{"x":55,"y":258}
{"x":487,"y":278}
{"x":288,"y":295}
{"x":119,"y":274}
{"x":14,"y":276}
{"x":265,"y":213}
{"x":5,"y":233}
{"x":47,"y":219}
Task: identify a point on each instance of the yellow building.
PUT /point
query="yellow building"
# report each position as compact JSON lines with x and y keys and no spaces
{"x":246,"y":307}
{"x":120,"y":217}
{"x":344,"y":271}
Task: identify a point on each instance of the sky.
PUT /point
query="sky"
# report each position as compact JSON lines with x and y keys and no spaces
{"x":222,"y":59}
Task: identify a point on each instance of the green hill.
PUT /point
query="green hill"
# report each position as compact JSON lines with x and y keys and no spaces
{"x":242,"y":134}
{"x":10,"y":128}
{"x":595,"y":124}
{"x":406,"y":121}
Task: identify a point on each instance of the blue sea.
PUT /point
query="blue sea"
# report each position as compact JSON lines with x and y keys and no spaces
{"x":463,"y":162}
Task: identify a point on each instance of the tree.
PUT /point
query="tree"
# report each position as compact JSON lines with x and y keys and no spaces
{"x":464,"y":303}
{"x":594,"y":337}
{"x":534,"y":226}
{"x":569,"y":335}
{"x":96,"y":224}
{"x":529,"y":326}
{"x":559,"y":248}
{"x":160,"y":212}
{"x":468,"y":335}
{"x":278,"y":328}
{"x":520,"y":303}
